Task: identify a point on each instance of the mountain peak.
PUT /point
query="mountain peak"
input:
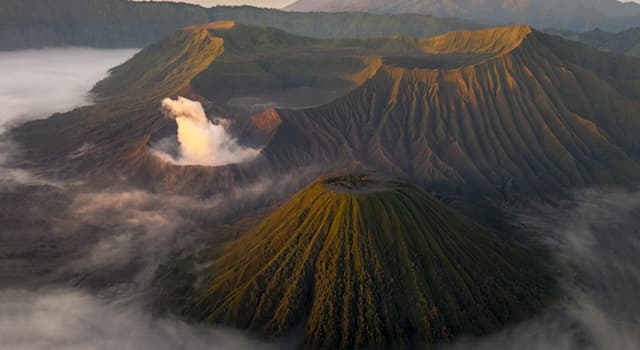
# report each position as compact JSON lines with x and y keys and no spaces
{"x":325,"y":259}
{"x":492,"y":41}
{"x":217,"y":25}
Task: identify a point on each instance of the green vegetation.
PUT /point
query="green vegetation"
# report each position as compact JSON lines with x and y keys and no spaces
{"x":626,"y":42}
{"x":569,"y":14}
{"x":387,"y":266}
{"x":164,"y":68}
{"x":122,"y":23}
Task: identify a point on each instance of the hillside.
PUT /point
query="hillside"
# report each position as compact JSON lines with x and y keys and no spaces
{"x":535,"y":114}
{"x":501,"y":112}
{"x":122,"y":23}
{"x":565,"y":14}
{"x":626,"y":42}
{"x":359,"y":261}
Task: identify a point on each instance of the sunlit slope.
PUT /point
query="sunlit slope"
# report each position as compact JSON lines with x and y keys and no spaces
{"x":232,"y":64}
{"x":120,"y":126}
{"x":167,"y":66}
{"x":537,"y":114}
{"x":360,"y":262}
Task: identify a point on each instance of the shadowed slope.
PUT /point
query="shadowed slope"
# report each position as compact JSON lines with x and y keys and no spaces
{"x":361,"y":262}
{"x":541,"y":115}
{"x":623,"y":43}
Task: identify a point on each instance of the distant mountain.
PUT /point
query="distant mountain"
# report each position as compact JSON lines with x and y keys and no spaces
{"x":566,"y":14}
{"x":361,"y":262}
{"x":122,"y":23}
{"x":499,"y":112}
{"x":624,"y":43}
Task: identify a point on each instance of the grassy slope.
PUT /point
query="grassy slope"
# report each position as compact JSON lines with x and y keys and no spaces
{"x":165,"y":67}
{"x":623,"y":43}
{"x":384,"y":266}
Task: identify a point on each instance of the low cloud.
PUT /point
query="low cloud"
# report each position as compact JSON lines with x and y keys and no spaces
{"x":596,"y":239}
{"x":201,"y":142}
{"x":71,"y":319}
{"x":76,"y":262}
{"x":99,"y":250}
{"x":38,"y":83}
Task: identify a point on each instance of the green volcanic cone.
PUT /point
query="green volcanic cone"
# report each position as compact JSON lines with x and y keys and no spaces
{"x":369,"y":263}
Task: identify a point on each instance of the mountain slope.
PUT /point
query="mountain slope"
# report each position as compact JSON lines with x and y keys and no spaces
{"x":567,"y":14}
{"x":626,"y":42}
{"x":365,"y":262}
{"x":122,"y":23}
{"x":536,"y":114}
{"x":499,"y":112}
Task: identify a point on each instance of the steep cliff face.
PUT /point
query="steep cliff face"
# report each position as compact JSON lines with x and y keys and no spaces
{"x":364,"y":262}
{"x":539,"y":113}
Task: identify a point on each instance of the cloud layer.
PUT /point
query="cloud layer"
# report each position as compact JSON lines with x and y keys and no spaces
{"x":596,"y":238}
{"x":201,"y":142}
{"x":38,"y":83}
{"x":68,"y":320}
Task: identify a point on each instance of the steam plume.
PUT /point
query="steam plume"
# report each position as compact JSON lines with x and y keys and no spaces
{"x":201,"y":141}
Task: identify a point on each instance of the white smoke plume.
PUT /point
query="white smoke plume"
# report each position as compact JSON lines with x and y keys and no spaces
{"x":201,"y":141}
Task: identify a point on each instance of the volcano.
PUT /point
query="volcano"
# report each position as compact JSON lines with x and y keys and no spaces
{"x":362,"y":261}
{"x":499,"y":112}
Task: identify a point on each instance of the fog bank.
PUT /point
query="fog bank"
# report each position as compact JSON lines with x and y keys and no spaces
{"x":596,"y":240}
{"x":66,"y":319}
{"x":38,"y":83}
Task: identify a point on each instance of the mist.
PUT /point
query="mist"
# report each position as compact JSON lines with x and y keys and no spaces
{"x":38,"y":83}
{"x":69,"y":319}
{"x":79,"y":279}
{"x":596,"y":240}
{"x":201,"y":142}
{"x":82,"y":280}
